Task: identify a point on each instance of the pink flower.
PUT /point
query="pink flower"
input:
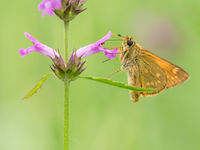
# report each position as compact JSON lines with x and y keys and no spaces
{"x":48,"y":6}
{"x":38,"y":47}
{"x":96,"y":48}
{"x":74,"y":67}
{"x":81,"y":52}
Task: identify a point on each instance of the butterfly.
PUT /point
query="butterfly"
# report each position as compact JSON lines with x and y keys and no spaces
{"x":146,"y":70}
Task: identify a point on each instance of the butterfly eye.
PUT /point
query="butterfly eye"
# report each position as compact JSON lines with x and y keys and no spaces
{"x":129,"y":42}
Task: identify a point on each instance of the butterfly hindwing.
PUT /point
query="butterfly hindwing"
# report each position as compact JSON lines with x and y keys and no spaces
{"x":146,"y":73}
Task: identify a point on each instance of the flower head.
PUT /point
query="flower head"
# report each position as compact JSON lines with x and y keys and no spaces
{"x":74,"y":67}
{"x":65,"y":72}
{"x":96,"y":48}
{"x":65,"y":9}
{"x":48,"y":6}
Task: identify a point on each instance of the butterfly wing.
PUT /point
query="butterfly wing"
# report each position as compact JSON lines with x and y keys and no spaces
{"x":175,"y":74}
{"x":146,"y":73}
{"x":153,"y":72}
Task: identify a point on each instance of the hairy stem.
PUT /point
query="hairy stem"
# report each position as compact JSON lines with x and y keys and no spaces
{"x":66,"y":41}
{"x":66,"y":117}
{"x":66,"y":97}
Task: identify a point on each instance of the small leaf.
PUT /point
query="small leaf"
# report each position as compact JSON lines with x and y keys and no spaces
{"x":38,"y":85}
{"x":118,"y":84}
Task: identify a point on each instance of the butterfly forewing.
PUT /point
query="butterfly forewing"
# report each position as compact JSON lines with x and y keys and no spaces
{"x":175,"y":74}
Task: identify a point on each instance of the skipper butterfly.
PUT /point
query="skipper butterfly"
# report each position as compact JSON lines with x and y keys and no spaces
{"x":146,"y":70}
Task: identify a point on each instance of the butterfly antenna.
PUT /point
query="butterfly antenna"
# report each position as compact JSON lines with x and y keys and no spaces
{"x":114,"y":40}
{"x":117,"y":35}
{"x":105,"y":60}
{"x":120,"y":70}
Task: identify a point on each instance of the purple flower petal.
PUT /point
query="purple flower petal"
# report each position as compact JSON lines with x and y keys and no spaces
{"x":48,"y":6}
{"x":111,"y":54}
{"x":105,"y":38}
{"x":96,"y":48}
{"x":38,"y":47}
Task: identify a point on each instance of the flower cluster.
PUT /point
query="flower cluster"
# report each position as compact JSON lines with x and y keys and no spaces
{"x":74,"y":66}
{"x":66,"y":71}
{"x":65,"y":9}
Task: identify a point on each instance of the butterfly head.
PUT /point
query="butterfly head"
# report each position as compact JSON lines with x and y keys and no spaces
{"x":128,"y":42}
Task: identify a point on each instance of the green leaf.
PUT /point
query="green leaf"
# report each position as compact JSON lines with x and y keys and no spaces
{"x":118,"y":84}
{"x":38,"y":85}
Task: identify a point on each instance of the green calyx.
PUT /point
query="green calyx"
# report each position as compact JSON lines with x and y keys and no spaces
{"x":70,"y":71}
{"x":70,"y":10}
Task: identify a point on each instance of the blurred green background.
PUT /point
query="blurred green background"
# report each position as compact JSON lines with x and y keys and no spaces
{"x":101,"y":117}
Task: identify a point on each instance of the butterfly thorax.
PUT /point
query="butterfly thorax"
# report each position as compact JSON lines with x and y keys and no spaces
{"x":129,"y":53}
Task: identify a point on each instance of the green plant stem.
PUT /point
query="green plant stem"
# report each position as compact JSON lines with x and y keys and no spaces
{"x":66,"y":40}
{"x":66,"y":117}
{"x":66,"y":97}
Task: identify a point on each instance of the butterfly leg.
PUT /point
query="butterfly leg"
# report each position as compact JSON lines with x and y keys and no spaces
{"x":134,"y":96}
{"x":114,"y":73}
{"x":113,"y":47}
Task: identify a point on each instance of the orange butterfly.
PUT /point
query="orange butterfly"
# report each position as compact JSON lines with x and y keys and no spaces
{"x":146,"y":70}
